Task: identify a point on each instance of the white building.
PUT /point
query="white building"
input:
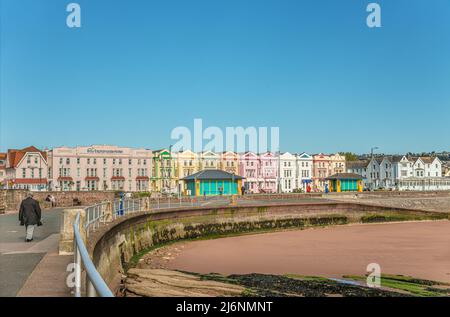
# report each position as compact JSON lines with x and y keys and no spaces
{"x":304,"y":170}
{"x":404,"y":173}
{"x":358,"y":167}
{"x":421,"y":173}
{"x":288,"y":172}
{"x":26,"y":169}
{"x":100,"y":167}
{"x":373,"y":174}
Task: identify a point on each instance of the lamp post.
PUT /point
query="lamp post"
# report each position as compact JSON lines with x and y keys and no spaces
{"x":279,"y":171}
{"x":371,"y":155}
{"x":372,"y":149}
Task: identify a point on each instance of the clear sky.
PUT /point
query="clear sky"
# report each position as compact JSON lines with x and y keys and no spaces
{"x":137,"y":69}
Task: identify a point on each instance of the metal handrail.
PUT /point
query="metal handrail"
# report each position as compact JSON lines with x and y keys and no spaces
{"x":94,"y":281}
{"x":95,"y":285}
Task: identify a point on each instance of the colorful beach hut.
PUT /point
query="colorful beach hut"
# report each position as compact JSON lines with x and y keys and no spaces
{"x":212,"y":183}
{"x":345,"y":182}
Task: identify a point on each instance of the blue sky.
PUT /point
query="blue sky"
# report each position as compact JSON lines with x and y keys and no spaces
{"x":137,"y":69}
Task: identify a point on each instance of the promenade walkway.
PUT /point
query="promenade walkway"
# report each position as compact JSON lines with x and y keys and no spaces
{"x":34,"y":268}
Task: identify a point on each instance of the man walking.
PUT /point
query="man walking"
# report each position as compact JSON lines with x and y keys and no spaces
{"x":30,"y":215}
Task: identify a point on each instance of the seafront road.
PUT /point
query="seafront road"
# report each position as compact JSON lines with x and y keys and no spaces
{"x":33,"y":268}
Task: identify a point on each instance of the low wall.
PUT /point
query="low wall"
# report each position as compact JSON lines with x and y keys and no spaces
{"x":117,"y":244}
{"x":13,"y":197}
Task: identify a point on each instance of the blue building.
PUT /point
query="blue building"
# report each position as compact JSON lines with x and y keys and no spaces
{"x":212,"y":183}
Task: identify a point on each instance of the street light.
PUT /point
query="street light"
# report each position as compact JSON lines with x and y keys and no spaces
{"x":372,"y":149}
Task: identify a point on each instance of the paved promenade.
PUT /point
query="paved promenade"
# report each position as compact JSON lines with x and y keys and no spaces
{"x":34,"y":268}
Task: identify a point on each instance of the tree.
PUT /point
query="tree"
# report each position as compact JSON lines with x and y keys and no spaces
{"x":349,"y":156}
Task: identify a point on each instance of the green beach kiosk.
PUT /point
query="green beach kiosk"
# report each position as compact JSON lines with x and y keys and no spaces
{"x":212,"y":183}
{"x":345,"y":182}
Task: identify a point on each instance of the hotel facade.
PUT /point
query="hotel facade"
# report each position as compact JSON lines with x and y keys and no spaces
{"x":99,"y":167}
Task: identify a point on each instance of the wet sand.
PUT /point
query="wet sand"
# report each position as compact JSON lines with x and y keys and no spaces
{"x":418,"y":249}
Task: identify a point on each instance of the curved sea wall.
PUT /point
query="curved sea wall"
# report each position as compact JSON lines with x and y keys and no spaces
{"x":115,"y":246}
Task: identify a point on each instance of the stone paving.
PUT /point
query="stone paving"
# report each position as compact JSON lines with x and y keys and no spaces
{"x":34,"y":268}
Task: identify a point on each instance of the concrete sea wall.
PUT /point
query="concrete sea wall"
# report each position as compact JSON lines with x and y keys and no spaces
{"x":117,"y":244}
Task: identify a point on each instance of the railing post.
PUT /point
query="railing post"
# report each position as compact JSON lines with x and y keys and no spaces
{"x":77,"y":262}
{"x":90,"y":289}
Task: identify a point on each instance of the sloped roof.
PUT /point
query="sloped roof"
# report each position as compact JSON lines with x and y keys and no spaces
{"x":15,"y":156}
{"x":344,"y":176}
{"x":427,"y":159}
{"x":396,"y":158}
{"x":212,"y":174}
{"x":357,"y":164}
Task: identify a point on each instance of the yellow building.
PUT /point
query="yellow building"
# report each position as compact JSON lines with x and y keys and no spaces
{"x":229,"y":162}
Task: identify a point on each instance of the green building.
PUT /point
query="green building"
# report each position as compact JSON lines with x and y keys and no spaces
{"x":164,"y":178}
{"x":212,"y":183}
{"x":345,"y":182}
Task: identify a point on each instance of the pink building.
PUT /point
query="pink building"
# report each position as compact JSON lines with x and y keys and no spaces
{"x":249,"y":168}
{"x":268,"y":178}
{"x":260,"y":172}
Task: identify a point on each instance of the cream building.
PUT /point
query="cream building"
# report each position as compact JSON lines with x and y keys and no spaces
{"x":100,"y":167}
{"x":229,"y":162}
{"x":209,"y":161}
{"x":337,"y":164}
{"x":188,"y":163}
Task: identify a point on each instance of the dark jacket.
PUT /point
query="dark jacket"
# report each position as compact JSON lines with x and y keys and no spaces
{"x":30,"y":212}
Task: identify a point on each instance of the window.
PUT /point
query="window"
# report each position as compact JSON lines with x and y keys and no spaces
{"x":114,"y":161}
{"x":78,"y":160}
{"x":95,"y":161}
{"x":24,"y":173}
{"x":104,"y":161}
{"x":120,"y":161}
{"x":32,"y":173}
{"x":130,"y":161}
{"x":67,"y":161}
{"x":60,"y":161}
{"x":89,"y":161}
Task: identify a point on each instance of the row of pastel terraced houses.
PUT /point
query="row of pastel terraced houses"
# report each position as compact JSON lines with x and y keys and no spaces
{"x":105,"y":167}
{"x":261,"y":172}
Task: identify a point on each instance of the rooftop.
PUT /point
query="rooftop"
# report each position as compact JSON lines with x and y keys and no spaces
{"x":340,"y":176}
{"x":212,"y":174}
